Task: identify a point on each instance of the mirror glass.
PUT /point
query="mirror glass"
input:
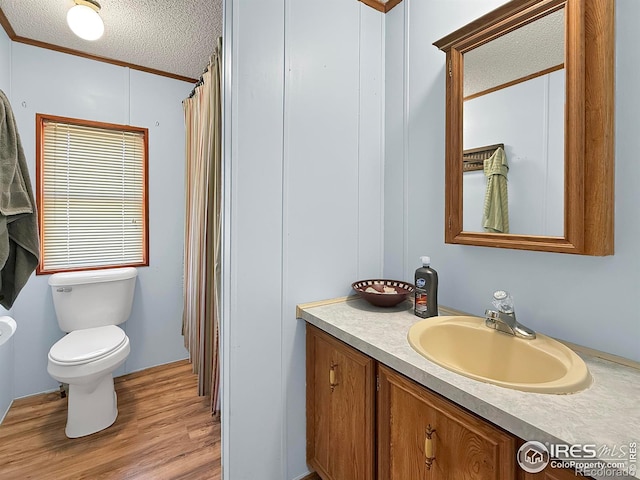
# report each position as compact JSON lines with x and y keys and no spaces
{"x":514,"y":95}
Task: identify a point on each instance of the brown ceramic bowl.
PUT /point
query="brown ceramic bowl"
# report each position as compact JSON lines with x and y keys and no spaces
{"x":383,"y":293}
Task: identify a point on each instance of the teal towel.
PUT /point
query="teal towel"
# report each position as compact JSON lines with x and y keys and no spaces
{"x":495,"y":216}
{"x":19,"y":241}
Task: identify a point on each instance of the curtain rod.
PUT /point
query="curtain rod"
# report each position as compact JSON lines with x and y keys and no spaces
{"x":200,"y":81}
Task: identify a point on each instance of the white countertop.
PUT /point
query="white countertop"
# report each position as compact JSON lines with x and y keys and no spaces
{"x":607,"y":414}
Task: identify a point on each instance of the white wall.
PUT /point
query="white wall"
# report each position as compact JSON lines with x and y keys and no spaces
{"x":6,"y":362}
{"x":396,"y":146}
{"x":45,"y":81}
{"x":5,"y":85}
{"x":586,"y":300}
{"x":528,"y":119}
{"x":7,"y":350}
{"x":5,"y":63}
{"x":306,"y":210}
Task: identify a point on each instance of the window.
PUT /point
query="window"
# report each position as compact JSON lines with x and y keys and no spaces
{"x":91,"y":194}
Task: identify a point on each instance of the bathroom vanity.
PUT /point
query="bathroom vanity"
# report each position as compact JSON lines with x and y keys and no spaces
{"x":377,"y":409}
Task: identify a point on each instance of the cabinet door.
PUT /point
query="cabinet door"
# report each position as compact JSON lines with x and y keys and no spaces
{"x":464,"y":446}
{"x":340,"y":409}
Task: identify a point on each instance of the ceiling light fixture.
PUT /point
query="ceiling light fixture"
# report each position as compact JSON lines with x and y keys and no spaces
{"x":84,"y":20}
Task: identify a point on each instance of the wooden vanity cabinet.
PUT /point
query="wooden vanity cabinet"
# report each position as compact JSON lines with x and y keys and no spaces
{"x":462,"y":446}
{"x":340,"y":409}
{"x":366,"y":421}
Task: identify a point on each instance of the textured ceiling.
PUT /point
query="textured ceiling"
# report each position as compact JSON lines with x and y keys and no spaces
{"x":532,"y":48}
{"x":172,"y":36}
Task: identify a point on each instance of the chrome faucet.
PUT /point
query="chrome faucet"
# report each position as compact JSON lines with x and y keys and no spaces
{"x":504,"y":319}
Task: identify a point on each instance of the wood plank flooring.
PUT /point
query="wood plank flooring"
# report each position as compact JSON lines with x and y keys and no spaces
{"x":163,"y":431}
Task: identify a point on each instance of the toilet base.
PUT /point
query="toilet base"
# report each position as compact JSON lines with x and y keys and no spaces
{"x":91,"y":408}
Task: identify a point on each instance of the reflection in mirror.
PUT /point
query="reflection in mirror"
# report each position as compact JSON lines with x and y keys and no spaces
{"x":514,"y":94}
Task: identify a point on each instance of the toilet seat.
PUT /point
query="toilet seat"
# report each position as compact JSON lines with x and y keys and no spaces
{"x":87,"y":345}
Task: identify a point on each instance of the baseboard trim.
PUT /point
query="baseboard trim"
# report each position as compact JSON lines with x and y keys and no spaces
{"x":3,"y":415}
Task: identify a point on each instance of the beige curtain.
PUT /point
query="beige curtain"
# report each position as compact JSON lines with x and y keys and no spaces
{"x":200,"y":320}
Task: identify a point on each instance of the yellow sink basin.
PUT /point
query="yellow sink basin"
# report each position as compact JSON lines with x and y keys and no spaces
{"x":465,"y":345}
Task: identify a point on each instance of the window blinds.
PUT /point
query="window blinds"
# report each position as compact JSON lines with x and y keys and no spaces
{"x":93,"y":197}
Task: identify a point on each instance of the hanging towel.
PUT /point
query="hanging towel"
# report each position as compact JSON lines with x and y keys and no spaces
{"x":495,"y":216}
{"x":19,"y":241}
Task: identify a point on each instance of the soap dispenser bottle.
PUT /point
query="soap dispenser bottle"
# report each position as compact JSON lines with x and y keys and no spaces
{"x":426,"y":291}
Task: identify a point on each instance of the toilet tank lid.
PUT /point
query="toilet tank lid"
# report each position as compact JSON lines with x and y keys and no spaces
{"x":92,"y":276}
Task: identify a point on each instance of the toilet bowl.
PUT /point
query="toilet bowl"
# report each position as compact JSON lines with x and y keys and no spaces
{"x":85,"y":359}
{"x":89,"y":306}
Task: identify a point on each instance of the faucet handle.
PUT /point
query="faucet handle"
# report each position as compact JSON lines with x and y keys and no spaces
{"x":503,"y":301}
{"x":500,"y":294}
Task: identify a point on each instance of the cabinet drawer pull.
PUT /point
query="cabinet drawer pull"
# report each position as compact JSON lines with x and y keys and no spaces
{"x":428,"y":447}
{"x":332,"y":376}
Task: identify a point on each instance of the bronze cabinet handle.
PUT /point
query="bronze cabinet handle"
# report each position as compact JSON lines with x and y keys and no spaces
{"x":428,"y":447}
{"x":332,"y":376}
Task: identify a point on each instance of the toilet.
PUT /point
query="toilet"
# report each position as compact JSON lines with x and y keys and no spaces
{"x":89,"y":306}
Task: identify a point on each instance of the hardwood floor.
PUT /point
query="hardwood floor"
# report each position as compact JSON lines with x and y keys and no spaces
{"x":163,"y":431}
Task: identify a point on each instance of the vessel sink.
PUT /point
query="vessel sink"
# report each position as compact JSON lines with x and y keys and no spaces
{"x":465,"y":345}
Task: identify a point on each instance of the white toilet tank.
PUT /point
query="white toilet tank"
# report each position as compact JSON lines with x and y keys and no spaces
{"x":93,"y":298}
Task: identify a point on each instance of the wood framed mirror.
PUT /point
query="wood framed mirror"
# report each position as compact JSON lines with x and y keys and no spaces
{"x":582,"y":129}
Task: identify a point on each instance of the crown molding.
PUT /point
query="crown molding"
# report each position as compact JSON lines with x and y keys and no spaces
{"x":4,"y":21}
{"x":381,"y":5}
